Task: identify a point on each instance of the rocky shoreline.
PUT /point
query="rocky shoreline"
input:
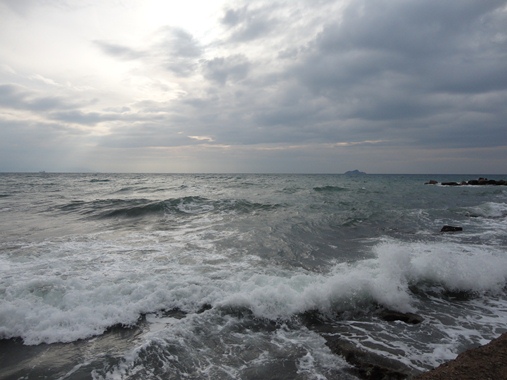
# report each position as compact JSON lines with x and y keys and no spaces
{"x":473,"y":182}
{"x":485,"y":362}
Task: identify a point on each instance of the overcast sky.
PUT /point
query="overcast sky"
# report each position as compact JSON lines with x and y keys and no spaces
{"x":309,"y":86}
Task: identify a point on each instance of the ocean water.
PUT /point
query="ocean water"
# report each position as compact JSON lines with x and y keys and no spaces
{"x":142,"y":276}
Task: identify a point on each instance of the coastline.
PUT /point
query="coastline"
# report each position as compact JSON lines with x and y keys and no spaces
{"x":484,"y":362}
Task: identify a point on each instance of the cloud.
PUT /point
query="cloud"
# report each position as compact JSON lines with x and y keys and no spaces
{"x":201,"y":138}
{"x":16,"y":97}
{"x":407,"y":64}
{"x":248,"y":23}
{"x":305,"y":82}
{"x":21,"y":7}
{"x":179,"y":50}
{"x":173,"y":49}
{"x":84,"y":118}
{"x":119,"y":51}
{"x":222,"y":69}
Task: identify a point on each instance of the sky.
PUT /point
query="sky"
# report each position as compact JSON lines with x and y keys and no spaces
{"x":262,"y":86}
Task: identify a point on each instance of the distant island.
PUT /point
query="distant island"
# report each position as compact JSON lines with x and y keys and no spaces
{"x":355,"y":172}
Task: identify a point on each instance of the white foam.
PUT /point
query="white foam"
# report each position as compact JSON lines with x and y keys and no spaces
{"x":211,"y":345}
{"x":62,"y":291}
{"x":489,"y":210}
{"x":385,"y":279}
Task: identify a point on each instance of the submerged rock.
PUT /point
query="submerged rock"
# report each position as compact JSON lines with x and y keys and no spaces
{"x":451,"y":229}
{"x":391,"y":316}
{"x":367,"y":365}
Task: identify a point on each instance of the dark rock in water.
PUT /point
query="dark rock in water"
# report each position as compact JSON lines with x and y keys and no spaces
{"x":204,"y":308}
{"x":368,"y":365}
{"x":459,"y":295}
{"x":391,"y":316}
{"x":354,"y":172}
{"x":473,"y":182}
{"x":485,"y":181}
{"x":451,"y":229}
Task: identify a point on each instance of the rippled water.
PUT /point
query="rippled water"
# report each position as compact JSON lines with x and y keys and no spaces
{"x":141,"y":276}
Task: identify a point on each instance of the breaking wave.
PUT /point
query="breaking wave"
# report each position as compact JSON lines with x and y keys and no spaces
{"x":69,"y":296}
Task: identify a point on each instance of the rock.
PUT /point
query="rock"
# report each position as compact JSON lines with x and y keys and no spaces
{"x":368,"y":365}
{"x":204,"y":308}
{"x":472,"y":182}
{"x":391,"y":316}
{"x":451,"y":229}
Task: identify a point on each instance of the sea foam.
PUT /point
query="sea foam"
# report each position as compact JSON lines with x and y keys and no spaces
{"x":74,"y":291}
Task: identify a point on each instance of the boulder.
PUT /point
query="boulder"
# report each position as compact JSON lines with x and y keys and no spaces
{"x":431,"y":182}
{"x":450,"y":183}
{"x":391,"y":316}
{"x":451,"y":229}
{"x":367,"y":365}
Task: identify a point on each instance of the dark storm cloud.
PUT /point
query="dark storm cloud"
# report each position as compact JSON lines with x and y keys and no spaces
{"x":409,"y":64}
{"x":435,"y":45}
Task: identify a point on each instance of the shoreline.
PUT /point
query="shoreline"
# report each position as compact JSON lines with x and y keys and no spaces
{"x":484,"y":362}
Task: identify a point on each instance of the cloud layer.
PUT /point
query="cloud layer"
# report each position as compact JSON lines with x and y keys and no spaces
{"x":285,"y":86}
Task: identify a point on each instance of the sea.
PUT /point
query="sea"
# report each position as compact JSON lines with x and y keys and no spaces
{"x":215,"y":276}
